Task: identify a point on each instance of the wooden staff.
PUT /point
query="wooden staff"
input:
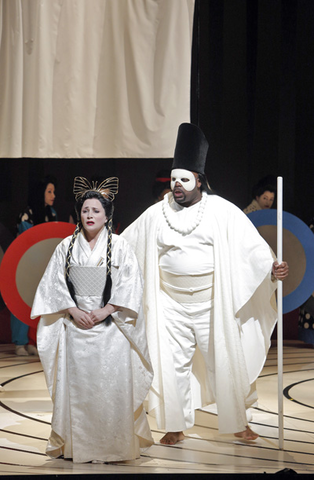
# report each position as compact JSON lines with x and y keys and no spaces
{"x":280,"y":323}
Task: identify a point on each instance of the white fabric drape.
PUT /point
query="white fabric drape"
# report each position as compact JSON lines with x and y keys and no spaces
{"x":93,"y":78}
{"x":244,"y":314}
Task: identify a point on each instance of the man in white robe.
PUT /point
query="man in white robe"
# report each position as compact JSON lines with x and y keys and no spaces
{"x":209,"y":282}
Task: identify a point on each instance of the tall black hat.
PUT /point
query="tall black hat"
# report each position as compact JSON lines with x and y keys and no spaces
{"x":191,"y":149}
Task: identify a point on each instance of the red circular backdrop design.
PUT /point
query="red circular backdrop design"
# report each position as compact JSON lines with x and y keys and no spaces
{"x":12,"y":257}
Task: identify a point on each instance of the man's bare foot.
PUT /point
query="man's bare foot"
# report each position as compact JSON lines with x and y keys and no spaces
{"x":247,"y":434}
{"x":171,"y":438}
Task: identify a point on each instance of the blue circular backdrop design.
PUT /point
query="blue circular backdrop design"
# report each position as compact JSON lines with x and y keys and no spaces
{"x":305,"y":236}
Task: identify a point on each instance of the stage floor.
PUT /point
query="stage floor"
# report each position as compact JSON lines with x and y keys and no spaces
{"x":25,"y":413}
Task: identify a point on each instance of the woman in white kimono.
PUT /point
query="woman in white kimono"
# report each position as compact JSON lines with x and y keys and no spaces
{"x":91,"y":337}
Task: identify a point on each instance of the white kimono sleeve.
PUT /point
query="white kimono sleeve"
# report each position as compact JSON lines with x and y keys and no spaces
{"x":52,"y":293}
{"x":127,"y":283}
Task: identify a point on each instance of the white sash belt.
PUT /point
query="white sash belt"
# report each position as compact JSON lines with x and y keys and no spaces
{"x":188,"y":288}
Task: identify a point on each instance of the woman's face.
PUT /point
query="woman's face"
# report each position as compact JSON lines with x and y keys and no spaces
{"x":50,"y":194}
{"x":93,"y":216}
{"x":266,"y":199}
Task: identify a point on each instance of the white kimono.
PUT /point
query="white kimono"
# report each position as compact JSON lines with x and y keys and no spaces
{"x":244,"y":314}
{"x":97,"y":378}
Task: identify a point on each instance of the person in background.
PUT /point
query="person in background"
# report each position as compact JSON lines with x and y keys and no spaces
{"x":39,"y":210}
{"x":263,"y":194}
{"x":91,"y":337}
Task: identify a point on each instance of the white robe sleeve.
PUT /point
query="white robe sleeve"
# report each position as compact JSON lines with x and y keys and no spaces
{"x":127,"y":289}
{"x":127,"y":283}
{"x":52,"y":294}
{"x":243,"y":291}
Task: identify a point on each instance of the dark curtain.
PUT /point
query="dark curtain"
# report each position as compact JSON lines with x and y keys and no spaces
{"x":252,"y":94}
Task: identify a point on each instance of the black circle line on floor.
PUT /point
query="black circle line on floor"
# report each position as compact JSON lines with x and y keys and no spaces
{"x":22,"y":450}
{"x":20,"y":376}
{"x":285,"y":373}
{"x":22,"y":414}
{"x":19,"y":364}
{"x":288,"y":396}
{"x":23,"y":435}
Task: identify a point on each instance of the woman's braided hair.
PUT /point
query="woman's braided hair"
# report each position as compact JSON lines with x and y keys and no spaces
{"x":108,"y":207}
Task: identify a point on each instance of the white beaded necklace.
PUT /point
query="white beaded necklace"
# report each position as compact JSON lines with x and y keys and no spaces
{"x":172,"y":219}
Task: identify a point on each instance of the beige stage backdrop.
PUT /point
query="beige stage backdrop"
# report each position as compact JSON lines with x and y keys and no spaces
{"x":93,"y":78}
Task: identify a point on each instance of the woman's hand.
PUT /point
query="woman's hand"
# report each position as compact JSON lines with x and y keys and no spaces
{"x":101,"y":314}
{"x":281,"y":271}
{"x":81,"y":318}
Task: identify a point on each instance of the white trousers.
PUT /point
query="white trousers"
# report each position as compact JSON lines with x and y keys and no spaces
{"x":187,"y":325}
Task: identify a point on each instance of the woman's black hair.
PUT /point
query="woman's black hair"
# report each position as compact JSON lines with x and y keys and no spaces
{"x":204,"y":184}
{"x":36,"y":200}
{"x":108,"y":207}
{"x":258,"y":190}
{"x":267,"y":183}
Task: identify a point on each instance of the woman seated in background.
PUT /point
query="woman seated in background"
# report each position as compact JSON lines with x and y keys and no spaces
{"x":263,"y":194}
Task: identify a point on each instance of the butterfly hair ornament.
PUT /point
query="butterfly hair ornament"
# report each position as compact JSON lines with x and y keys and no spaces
{"x":107,"y":188}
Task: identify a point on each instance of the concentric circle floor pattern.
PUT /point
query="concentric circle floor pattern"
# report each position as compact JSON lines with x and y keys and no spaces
{"x":25,"y":414}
